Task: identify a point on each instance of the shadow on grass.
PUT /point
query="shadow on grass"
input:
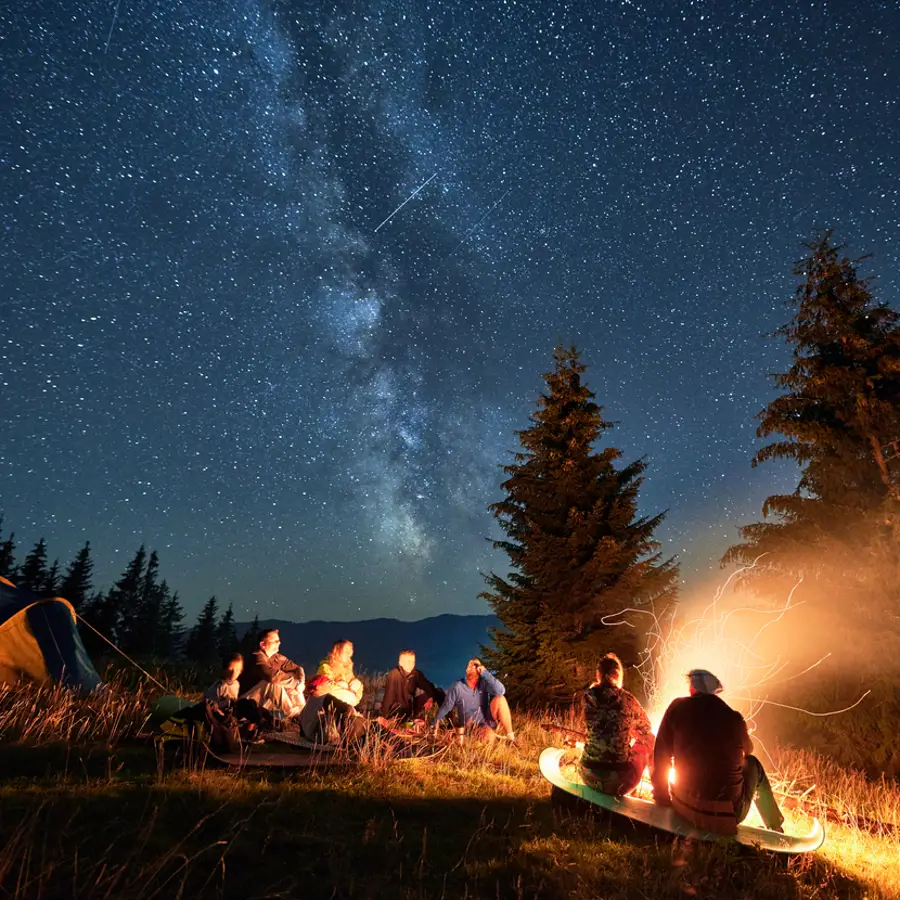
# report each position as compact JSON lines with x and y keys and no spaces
{"x":216,"y":834}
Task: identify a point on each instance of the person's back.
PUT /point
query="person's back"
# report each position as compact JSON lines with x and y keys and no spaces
{"x":619,"y":740}
{"x":708,"y":740}
{"x":614,"y":718}
{"x":716,"y":775}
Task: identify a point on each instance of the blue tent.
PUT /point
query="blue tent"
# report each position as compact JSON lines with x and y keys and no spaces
{"x":39,"y":640}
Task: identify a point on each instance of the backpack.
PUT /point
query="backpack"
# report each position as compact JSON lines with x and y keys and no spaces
{"x":222,"y":727}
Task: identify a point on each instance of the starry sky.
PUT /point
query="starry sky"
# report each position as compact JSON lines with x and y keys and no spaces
{"x":279,"y":278}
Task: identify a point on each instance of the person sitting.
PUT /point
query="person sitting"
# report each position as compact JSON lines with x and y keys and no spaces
{"x":275,"y":681}
{"x":407,"y":692}
{"x":716,"y":777}
{"x":326,"y":719}
{"x":337,"y":667}
{"x":224,"y":693}
{"x":619,"y":742}
{"x":477,"y":701}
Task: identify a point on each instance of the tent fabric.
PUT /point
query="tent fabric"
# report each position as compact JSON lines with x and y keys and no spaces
{"x":39,"y":640}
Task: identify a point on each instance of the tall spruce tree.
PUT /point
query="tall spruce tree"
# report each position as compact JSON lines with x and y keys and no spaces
{"x":112,"y":613}
{"x":226,"y":634}
{"x":838,"y":411}
{"x":250,"y":641}
{"x":140,"y":633}
{"x":577,"y":547}
{"x":77,"y":582}
{"x":33,"y":574}
{"x":171,"y":616}
{"x":50,"y":586}
{"x":7,"y":555}
{"x":202,"y":648}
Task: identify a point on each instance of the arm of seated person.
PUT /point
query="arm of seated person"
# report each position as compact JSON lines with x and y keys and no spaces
{"x":344,"y":694}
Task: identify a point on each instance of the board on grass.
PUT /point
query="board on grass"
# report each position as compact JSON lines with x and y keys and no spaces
{"x":256,"y":756}
{"x":666,"y":819}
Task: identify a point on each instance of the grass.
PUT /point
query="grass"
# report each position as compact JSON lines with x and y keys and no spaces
{"x":88,"y":813}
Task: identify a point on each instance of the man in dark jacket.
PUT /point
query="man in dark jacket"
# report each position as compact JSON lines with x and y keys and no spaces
{"x":620,"y":741}
{"x":711,"y":749}
{"x":407,"y":692}
{"x":273,"y":680}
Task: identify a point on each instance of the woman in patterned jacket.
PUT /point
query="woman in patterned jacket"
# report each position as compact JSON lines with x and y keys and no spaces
{"x":620,"y":741}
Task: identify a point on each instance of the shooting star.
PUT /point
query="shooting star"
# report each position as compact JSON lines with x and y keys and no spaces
{"x":113,"y":25}
{"x":466,"y":235}
{"x":413,"y":194}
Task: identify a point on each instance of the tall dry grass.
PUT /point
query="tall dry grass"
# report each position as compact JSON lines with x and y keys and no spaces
{"x":143,"y":862}
{"x":38,"y":714}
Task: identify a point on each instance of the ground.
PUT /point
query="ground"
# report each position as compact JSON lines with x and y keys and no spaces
{"x":86,"y":818}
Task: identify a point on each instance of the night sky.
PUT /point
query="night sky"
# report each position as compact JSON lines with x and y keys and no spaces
{"x":222,"y":338}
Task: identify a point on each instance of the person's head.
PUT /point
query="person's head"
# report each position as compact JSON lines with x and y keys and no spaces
{"x":610,"y":670}
{"x":234,"y":665}
{"x":473,"y":669}
{"x":341,"y":653}
{"x":702,"y":681}
{"x":407,"y":661}
{"x":269,"y":641}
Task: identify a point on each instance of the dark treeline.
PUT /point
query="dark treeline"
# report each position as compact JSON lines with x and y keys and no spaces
{"x":140,"y":614}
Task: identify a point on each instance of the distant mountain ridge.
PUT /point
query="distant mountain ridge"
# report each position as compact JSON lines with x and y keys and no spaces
{"x":443,"y":644}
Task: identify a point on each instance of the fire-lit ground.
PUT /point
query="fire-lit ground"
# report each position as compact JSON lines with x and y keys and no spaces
{"x":85,"y":813}
{"x":861,"y":819}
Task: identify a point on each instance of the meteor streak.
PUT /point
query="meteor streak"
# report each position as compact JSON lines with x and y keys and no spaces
{"x":473,"y":227}
{"x":413,"y":194}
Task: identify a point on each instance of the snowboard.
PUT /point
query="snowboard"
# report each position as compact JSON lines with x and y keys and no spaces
{"x":666,"y":819}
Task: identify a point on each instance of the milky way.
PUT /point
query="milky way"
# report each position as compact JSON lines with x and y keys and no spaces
{"x":279,"y":278}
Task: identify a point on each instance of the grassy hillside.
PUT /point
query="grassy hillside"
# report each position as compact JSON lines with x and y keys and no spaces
{"x":87,"y":812}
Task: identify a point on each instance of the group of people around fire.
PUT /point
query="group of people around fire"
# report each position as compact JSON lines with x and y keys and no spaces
{"x":701,"y":739}
{"x":325,"y":707}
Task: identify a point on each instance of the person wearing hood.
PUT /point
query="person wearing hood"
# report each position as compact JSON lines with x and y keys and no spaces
{"x":716,"y":777}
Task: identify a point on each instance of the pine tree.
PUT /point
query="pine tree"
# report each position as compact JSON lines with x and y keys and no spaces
{"x":202,"y":649}
{"x":140,"y":631}
{"x":33,"y":574}
{"x":171,"y":617}
{"x":98,"y":613}
{"x":114,"y":612}
{"x":8,"y":556}
{"x":77,"y":584}
{"x":226,"y":634}
{"x":250,"y":641}
{"x":839,"y":407}
{"x":51,"y":581}
{"x":577,"y":547}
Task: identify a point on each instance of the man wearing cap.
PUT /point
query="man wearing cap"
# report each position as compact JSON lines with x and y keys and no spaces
{"x":715,"y":774}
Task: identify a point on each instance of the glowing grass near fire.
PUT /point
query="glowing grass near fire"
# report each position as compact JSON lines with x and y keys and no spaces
{"x":727,"y":642}
{"x":478,"y":822}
